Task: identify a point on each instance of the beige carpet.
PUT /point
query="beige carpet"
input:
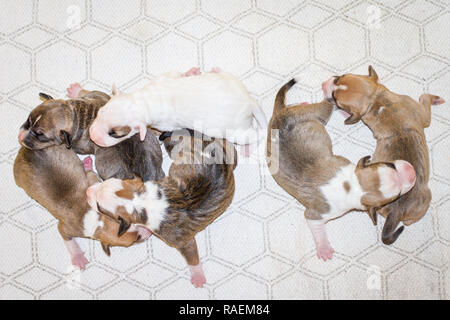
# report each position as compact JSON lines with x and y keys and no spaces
{"x":261,"y":247}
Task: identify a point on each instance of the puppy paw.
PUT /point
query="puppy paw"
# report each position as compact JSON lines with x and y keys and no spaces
{"x":325,"y":252}
{"x":79,"y":261}
{"x":74,"y":90}
{"x":192,"y":72}
{"x":88,"y":164}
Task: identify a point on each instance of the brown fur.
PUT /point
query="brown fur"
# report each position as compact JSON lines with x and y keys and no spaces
{"x":68,"y":121}
{"x":64,"y":194}
{"x":399,"y":130}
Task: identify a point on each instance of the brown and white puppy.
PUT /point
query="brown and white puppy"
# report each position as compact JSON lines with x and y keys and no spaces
{"x":56,"y":122}
{"x":55,"y":178}
{"x":198,"y":189}
{"x":302,"y":162}
{"x":397,"y":123}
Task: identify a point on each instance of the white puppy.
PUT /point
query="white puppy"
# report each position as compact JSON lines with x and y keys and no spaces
{"x":216,"y":104}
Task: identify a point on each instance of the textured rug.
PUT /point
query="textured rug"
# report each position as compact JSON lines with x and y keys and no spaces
{"x":261,"y":247}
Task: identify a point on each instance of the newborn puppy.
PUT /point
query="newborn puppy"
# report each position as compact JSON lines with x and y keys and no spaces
{"x":56,"y":122}
{"x":302,"y":162}
{"x":198,"y":189}
{"x":55,"y":178}
{"x":215,"y":103}
{"x":397,"y":123}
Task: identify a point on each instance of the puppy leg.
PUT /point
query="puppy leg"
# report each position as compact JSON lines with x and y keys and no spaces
{"x":323,"y":247}
{"x":190,"y":253}
{"x":427,"y":100}
{"x":76,"y":254}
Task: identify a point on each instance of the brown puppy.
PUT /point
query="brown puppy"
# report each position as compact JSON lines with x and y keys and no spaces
{"x":55,"y":178}
{"x":56,"y":122}
{"x":198,"y":189}
{"x":397,"y":123}
{"x":302,"y":162}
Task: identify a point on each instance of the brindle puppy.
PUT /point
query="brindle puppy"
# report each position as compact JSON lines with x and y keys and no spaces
{"x":56,"y":122}
{"x":55,"y":178}
{"x":198,"y":189}
{"x":397,"y":123}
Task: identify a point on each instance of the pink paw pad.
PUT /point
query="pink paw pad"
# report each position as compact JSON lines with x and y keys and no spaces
{"x":88,"y":164}
{"x":80,"y":261}
{"x":325,"y":252}
{"x":304,"y":103}
{"x":192,"y":72}
{"x":198,"y":280}
{"x":74,"y":90}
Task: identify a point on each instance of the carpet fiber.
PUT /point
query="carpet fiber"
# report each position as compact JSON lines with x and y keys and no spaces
{"x":261,"y":247}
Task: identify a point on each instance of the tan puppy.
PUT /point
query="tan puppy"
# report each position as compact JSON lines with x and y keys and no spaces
{"x":302,"y":162}
{"x":397,"y":123}
{"x":55,"y":178}
{"x":199,"y":188}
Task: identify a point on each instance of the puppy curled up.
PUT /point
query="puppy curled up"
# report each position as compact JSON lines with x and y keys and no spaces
{"x":198,"y":189}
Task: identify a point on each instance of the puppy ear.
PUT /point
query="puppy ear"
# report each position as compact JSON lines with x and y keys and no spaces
{"x":45,"y":96}
{"x":354,"y":118}
{"x":124,"y":226}
{"x":106,"y":248}
{"x":373,"y":74}
{"x":115,"y":91}
{"x":142,"y":131}
{"x":66,"y":138}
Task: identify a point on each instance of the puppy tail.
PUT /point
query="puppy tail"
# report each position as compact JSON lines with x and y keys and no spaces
{"x":280,"y":99}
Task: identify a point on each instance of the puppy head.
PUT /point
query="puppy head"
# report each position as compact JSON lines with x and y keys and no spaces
{"x":49,"y":124}
{"x":119,"y":200}
{"x":352,"y":93}
{"x":116,"y":121}
{"x":383,"y":182}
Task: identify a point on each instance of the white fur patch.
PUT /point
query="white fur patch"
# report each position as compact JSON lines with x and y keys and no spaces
{"x":339,"y":200}
{"x":342,"y":87}
{"x":91,"y":222}
{"x":381,"y":109}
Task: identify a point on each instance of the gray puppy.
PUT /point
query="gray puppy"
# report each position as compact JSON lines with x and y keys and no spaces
{"x":56,"y":122}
